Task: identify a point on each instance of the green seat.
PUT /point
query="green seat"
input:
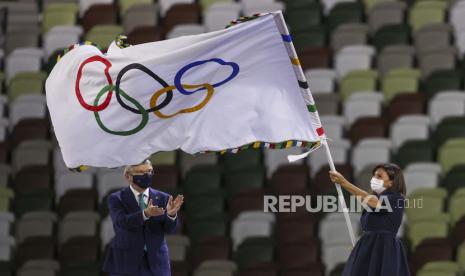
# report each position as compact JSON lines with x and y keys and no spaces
{"x":313,"y":37}
{"x":415,"y":151}
{"x":212,"y":227}
{"x":237,"y":181}
{"x":400,"y":81}
{"x":456,"y":209}
{"x":391,"y":35}
{"x":202,"y":182}
{"x":442,"y":81}
{"x":58,"y":14}
{"x":448,"y":128}
{"x":342,"y":13}
{"x":451,"y":153}
{"x":461,"y":256}
{"x":435,"y":226}
{"x":207,"y":3}
{"x":103,"y":35}
{"x":203,"y":207}
{"x":124,"y":5}
{"x":432,"y":203}
{"x":358,"y":81}
{"x":6,"y":195}
{"x":440,"y":268}
{"x":26,"y":83}
{"x":254,"y":250}
{"x":163,"y":158}
{"x":36,"y":201}
{"x":428,"y":12}
{"x":304,"y":18}
{"x":241,"y":160}
{"x":454,"y":179}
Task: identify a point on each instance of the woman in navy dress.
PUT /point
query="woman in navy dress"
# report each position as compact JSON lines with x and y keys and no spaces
{"x":378,"y":252}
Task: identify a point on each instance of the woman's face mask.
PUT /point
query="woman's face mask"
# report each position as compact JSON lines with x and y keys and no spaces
{"x":377,"y":185}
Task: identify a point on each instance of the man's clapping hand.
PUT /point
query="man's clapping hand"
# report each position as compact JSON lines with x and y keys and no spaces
{"x":153,"y":211}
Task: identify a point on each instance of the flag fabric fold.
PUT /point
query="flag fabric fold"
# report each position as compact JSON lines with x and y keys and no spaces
{"x":222,"y":91}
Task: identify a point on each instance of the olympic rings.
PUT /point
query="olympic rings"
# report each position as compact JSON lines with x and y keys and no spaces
{"x":178,"y":77}
{"x":166,"y":101}
{"x":153,"y":100}
{"x":143,"y":122}
{"x":107,"y":75}
{"x":154,"y":107}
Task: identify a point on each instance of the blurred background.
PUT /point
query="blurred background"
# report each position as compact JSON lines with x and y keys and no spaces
{"x":387,"y":77}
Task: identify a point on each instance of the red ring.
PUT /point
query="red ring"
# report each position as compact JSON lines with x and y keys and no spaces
{"x":105,"y":103}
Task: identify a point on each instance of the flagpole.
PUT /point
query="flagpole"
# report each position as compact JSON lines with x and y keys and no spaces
{"x":309,"y":101}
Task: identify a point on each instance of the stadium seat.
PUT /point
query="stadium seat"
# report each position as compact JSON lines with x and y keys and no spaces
{"x":245,"y":179}
{"x":398,"y":34}
{"x":321,"y":80}
{"x":436,"y":60}
{"x":415,"y":151}
{"x":426,"y":13}
{"x":203,"y":206}
{"x":448,"y":128}
{"x":99,"y":14}
{"x":199,"y":182}
{"x":328,"y":104}
{"x":181,"y":14}
{"x":362,"y":104}
{"x":59,"y":14}
{"x":443,"y":80}
{"x":245,"y":227}
{"x":367,"y":127}
{"x":445,"y":105}
{"x":303,"y":18}
{"x":432,"y":37}
{"x":125,"y":5}
{"x":241,"y":160}
{"x":454,"y":178}
{"x":312,"y":37}
{"x":26,"y":83}
{"x":349,"y":34}
{"x":345,"y":12}
{"x":217,"y":17}
{"x":316,"y":57}
{"x":420,"y":229}
{"x":60,"y":37}
{"x":409,"y":127}
{"x":76,"y":224}
{"x":398,"y":81}
{"x":213,"y":254}
{"x":291,"y":179}
{"x":254,"y":250}
{"x":385,"y":13}
{"x":370,"y":151}
{"x":145,"y":34}
{"x":139,"y":15}
{"x":103,"y":35}
{"x":357,"y":81}
{"x":425,"y":201}
{"x":395,"y":57}
{"x":273,"y":159}
{"x":353,"y":58}
{"x":35,"y":248}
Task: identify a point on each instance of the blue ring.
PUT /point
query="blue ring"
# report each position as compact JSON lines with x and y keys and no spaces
{"x":180,"y":73}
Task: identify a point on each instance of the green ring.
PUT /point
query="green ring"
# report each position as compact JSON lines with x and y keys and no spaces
{"x":143,"y":122}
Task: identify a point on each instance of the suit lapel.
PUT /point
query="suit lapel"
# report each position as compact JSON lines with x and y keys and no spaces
{"x":130,"y":200}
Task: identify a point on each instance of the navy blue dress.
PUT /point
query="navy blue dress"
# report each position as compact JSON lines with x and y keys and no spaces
{"x":379,"y":252}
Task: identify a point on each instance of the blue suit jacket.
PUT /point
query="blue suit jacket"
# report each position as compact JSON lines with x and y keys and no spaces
{"x":126,"y":250}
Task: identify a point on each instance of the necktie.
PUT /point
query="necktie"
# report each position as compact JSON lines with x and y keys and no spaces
{"x":142,"y":206}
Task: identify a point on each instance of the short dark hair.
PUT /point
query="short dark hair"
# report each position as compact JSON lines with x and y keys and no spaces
{"x":395,"y":175}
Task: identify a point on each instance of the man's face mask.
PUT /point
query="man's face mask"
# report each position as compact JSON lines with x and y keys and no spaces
{"x":143,"y":180}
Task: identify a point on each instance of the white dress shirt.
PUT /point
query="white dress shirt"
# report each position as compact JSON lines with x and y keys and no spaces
{"x":146,"y":201}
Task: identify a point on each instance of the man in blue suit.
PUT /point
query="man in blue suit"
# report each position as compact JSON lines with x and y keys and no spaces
{"x":141,"y":221}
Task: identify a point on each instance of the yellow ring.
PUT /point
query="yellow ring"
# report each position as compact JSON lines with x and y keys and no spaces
{"x":153,"y":100}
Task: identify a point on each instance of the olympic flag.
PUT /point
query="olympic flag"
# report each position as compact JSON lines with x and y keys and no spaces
{"x":221,"y":91}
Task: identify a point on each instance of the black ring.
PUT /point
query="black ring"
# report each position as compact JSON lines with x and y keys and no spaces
{"x":138,"y":66}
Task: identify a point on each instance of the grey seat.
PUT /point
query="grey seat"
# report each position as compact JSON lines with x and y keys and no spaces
{"x":433,"y":37}
{"x":31,"y":152}
{"x":178,"y":246}
{"x":76,"y":224}
{"x":69,"y":180}
{"x":42,"y":263}
{"x":7,"y":244}
{"x":349,"y":34}
{"x":26,"y":271}
{"x":109,"y":181}
{"x":34,"y":224}
{"x":386,"y":13}
{"x":21,"y":39}
{"x":395,"y":57}
{"x":5,"y":171}
{"x":23,"y":60}
{"x":327,"y":104}
{"x":6,"y":223}
{"x":443,"y":59}
{"x":139,"y":16}
{"x":60,"y":37}
{"x":106,"y":232}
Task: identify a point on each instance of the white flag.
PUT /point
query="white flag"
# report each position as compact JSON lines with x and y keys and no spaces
{"x":219,"y":91}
